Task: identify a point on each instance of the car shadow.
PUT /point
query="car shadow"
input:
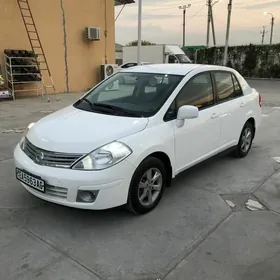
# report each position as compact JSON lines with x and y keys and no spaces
{"x":200,"y":168}
{"x":110,"y":215}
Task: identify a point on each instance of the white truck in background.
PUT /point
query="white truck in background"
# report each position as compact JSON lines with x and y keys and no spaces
{"x":156,"y":54}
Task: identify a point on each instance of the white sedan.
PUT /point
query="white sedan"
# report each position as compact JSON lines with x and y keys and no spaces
{"x":123,"y":147}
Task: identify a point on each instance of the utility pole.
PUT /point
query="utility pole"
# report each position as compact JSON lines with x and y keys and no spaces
{"x":184,"y":8}
{"x":272,"y":25}
{"x":271,"y":33}
{"x":139,"y":32}
{"x":210,"y":20}
{"x":184,"y":26}
{"x":208,"y":3}
{"x":213,"y":28}
{"x":227,"y":32}
{"x":263,"y":32}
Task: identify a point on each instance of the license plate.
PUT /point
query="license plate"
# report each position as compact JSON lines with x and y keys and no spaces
{"x":30,"y":180}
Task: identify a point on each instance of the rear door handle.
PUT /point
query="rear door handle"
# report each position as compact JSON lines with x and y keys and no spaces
{"x":242,"y":104}
{"x":215,"y":115}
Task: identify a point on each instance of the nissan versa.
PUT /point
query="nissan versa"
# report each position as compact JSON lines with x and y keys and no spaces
{"x":122,"y":143}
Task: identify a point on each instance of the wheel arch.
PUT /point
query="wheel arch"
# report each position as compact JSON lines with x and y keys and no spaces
{"x":252,"y":121}
{"x":165,"y":159}
{"x":167,"y":164}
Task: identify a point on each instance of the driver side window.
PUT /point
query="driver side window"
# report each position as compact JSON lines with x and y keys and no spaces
{"x":198,"y":92}
{"x":172,"y":59}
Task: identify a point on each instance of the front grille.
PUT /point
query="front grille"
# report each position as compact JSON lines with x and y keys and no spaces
{"x":49,"y":158}
{"x":56,"y":191}
{"x":53,"y":191}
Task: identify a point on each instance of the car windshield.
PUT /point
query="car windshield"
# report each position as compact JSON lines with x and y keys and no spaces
{"x":130,"y":94}
{"x":183,"y":58}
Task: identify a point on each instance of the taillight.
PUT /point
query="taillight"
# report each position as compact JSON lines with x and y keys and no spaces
{"x":260,"y":100}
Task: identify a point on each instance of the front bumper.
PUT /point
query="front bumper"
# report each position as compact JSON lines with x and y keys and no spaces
{"x":62,"y":185}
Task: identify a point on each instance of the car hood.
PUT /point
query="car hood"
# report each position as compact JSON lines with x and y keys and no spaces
{"x":71,"y":130}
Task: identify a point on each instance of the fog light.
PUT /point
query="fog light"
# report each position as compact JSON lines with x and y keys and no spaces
{"x":87,"y":196}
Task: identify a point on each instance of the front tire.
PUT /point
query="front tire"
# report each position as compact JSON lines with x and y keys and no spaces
{"x":245,"y":141}
{"x":147,"y":186}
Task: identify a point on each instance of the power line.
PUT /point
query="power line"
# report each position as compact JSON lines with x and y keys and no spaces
{"x":198,"y":12}
{"x":120,"y":12}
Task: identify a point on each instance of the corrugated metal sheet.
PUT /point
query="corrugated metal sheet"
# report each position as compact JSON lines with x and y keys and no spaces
{"x":118,"y":47}
{"x":122,"y":2}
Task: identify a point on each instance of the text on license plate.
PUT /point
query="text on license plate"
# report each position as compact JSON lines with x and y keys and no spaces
{"x":29,"y":180}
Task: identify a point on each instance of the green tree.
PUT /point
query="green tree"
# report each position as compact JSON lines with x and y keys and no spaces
{"x":250,"y":62}
{"x":144,"y":43}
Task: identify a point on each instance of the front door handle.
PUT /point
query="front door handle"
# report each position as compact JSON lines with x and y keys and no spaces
{"x":215,"y":115}
{"x":242,"y":104}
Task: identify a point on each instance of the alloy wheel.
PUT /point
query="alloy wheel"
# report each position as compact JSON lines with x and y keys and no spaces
{"x":150,"y":187}
{"x":246,"y":140}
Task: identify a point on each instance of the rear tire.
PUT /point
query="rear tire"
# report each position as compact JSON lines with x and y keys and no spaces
{"x":147,"y":186}
{"x":245,"y":141}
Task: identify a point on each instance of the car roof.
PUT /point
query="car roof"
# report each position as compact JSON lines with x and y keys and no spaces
{"x":175,"y":69}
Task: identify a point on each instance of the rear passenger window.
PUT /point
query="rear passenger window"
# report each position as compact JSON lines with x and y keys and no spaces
{"x":198,"y":92}
{"x":237,"y":89}
{"x":225,"y":88}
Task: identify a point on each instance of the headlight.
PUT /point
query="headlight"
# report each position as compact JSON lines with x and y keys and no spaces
{"x":22,"y":141}
{"x":27,"y":129}
{"x":104,"y":157}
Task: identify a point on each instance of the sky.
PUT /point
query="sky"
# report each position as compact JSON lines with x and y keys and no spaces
{"x":162,"y":22}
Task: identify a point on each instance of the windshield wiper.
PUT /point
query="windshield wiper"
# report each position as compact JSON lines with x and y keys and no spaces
{"x":87,"y":101}
{"x":106,"y":106}
{"x":96,"y":108}
{"x":115,"y":109}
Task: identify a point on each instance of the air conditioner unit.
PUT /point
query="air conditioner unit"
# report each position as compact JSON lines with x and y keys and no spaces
{"x":92,"y":33}
{"x":106,"y":71}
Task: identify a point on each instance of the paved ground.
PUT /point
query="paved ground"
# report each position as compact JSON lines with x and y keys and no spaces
{"x":193,"y":234}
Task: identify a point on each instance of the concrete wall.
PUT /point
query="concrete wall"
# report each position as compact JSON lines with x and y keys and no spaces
{"x":74,"y":63}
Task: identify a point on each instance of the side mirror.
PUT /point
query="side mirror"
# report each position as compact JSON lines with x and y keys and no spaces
{"x":186,"y":112}
{"x":176,"y":61}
